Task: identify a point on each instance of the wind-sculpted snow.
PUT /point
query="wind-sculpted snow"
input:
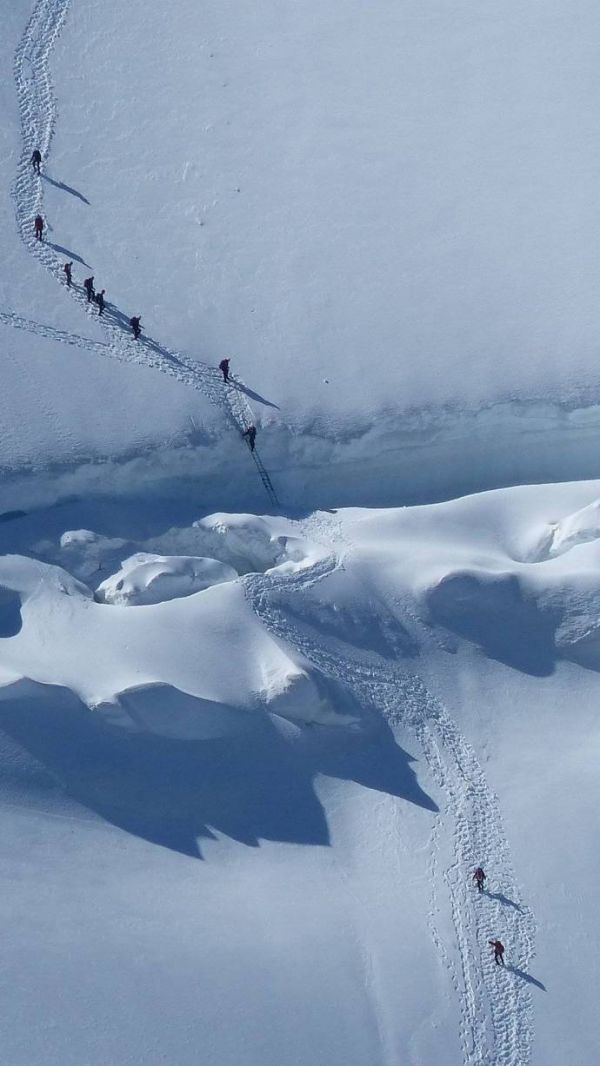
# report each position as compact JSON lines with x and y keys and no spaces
{"x":265,"y":637}
{"x":241,"y":543}
{"x":496,"y":1016}
{"x":190,"y":661}
{"x":146,"y":578}
{"x":437,"y":578}
{"x":572,"y":530}
{"x":118,"y":661}
{"x":372,"y":622}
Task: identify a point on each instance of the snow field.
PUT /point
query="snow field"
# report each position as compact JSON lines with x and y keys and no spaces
{"x":374,"y":198}
{"x":348,"y":262}
{"x":37,"y":109}
{"x":61,"y":403}
{"x":253,"y":226}
{"x":137,"y":672}
{"x":342,"y":631}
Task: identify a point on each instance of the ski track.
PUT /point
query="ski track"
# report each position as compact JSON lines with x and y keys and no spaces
{"x":496,"y":1013}
{"x":38,"y":112}
{"x":496,"y":1017}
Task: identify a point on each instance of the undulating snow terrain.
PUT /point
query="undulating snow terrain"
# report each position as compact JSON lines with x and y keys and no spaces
{"x":259,"y":719}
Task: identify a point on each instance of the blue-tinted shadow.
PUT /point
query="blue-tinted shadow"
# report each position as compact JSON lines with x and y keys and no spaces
{"x":68,"y":254}
{"x":65,"y":188}
{"x":494,"y":612}
{"x":251,"y":787}
{"x":251,"y":394}
{"x":504,"y":900}
{"x":526,"y":977}
{"x":10,"y":613}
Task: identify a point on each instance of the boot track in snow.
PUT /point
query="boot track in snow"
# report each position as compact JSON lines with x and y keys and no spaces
{"x":496,"y":1022}
{"x":38,"y":110}
{"x":496,"y":1013}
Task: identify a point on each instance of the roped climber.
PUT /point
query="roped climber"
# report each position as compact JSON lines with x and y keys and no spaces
{"x":498,"y":947}
{"x":250,"y":433}
{"x":479,"y":878}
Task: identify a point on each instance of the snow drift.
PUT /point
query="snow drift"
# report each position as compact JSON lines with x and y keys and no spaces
{"x":193,"y":660}
{"x":146,"y":578}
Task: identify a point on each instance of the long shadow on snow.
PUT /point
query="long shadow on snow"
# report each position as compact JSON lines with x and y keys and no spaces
{"x":378,"y":763}
{"x":251,"y":394}
{"x":156,"y":347}
{"x":65,"y":251}
{"x":112,"y":312}
{"x":504,"y":900}
{"x":526,"y":977}
{"x":65,"y":188}
{"x":258,"y":786}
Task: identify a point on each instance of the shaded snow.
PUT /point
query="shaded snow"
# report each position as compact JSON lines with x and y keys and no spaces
{"x":451,"y":593}
{"x":386,"y":218}
{"x":195,"y":666}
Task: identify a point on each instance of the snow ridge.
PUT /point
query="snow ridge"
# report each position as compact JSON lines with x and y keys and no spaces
{"x":38,"y":112}
{"x":496,"y":1027}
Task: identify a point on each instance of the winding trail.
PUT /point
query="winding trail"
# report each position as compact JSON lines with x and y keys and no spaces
{"x":37,"y":108}
{"x":496,"y":1013}
{"x":8,"y":318}
{"x":496,"y":1022}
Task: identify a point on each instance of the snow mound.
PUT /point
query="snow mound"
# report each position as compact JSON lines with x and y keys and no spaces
{"x":307,"y":698}
{"x":242,"y":543}
{"x":250,"y":543}
{"x":195,"y":667}
{"x":499,"y":614}
{"x":527,"y":620}
{"x":298,"y":696}
{"x":86,"y":554}
{"x":578,"y":528}
{"x":32,"y":580}
{"x":78,"y":537}
{"x":494,"y":570}
{"x":146,"y":578}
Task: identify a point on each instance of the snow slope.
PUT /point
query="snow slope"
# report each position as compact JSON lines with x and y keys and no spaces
{"x":118,"y":661}
{"x":386,"y":278}
{"x":386,"y":217}
{"x":449,"y":632}
{"x":400,"y":199}
{"x":62,"y":401}
{"x":367,"y":210}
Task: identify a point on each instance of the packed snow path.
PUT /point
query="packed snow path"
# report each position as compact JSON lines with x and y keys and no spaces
{"x":496,"y":1025}
{"x":38,"y":110}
